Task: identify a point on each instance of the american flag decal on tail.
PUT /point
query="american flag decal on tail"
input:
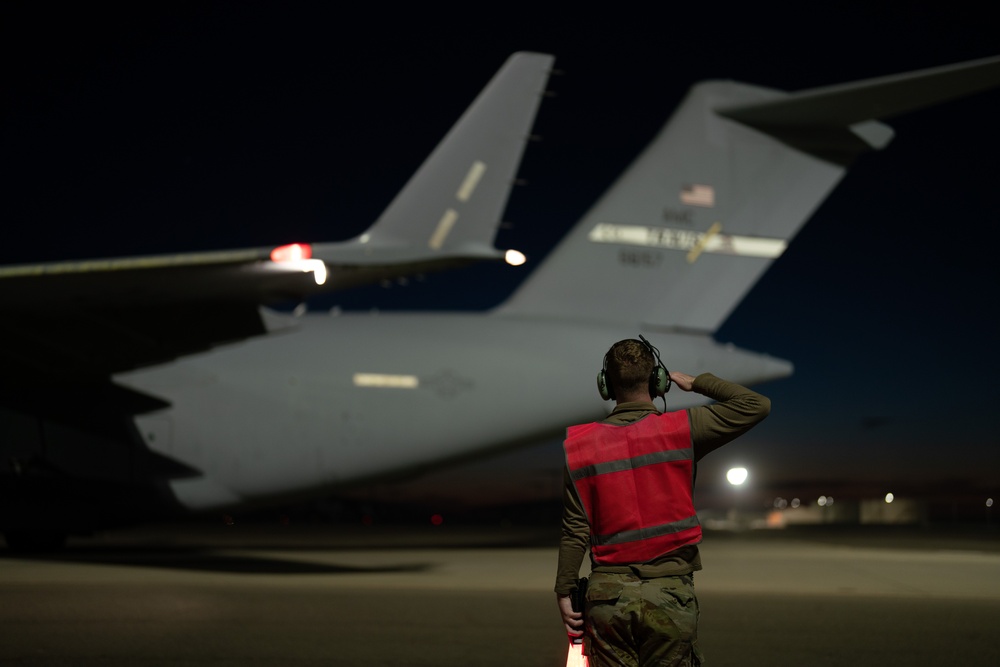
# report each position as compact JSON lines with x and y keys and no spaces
{"x":698,"y":195}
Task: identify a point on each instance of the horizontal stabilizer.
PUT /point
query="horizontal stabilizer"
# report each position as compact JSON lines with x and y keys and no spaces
{"x":837,"y":123}
{"x":89,"y":318}
{"x":878,"y":98}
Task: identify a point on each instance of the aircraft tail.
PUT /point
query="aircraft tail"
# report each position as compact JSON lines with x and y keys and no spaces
{"x":454,"y":203}
{"x":688,"y":229}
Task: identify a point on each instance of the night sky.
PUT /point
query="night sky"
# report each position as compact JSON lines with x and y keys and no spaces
{"x":182,"y":127}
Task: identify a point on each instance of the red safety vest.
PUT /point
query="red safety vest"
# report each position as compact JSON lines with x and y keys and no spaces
{"x":635,"y":482}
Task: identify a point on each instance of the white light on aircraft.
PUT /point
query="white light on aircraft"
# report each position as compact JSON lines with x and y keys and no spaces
{"x":296,"y":257}
{"x":737,"y":476}
{"x":386,"y":381}
{"x":315,"y":266}
{"x":318,"y":268}
{"x":889,"y":498}
{"x":515,"y":257}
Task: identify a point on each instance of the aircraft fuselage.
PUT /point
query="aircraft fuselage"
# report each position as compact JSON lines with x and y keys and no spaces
{"x":340,"y":399}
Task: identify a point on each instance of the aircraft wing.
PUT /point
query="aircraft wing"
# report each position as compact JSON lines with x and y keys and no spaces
{"x":89,"y":319}
{"x":85,"y":320}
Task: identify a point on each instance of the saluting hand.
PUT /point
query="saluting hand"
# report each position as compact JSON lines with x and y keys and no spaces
{"x":682,"y":380}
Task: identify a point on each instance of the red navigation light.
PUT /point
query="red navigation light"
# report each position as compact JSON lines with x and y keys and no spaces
{"x":293,"y":252}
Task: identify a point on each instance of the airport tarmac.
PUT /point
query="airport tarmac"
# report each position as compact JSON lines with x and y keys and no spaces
{"x":445,"y":596}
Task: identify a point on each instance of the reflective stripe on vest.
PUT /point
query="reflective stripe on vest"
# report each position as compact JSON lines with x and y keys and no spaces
{"x":635,"y":484}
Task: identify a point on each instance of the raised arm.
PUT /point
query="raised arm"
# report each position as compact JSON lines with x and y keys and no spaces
{"x":736,"y":410}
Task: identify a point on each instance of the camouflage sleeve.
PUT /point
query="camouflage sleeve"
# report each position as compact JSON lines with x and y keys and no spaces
{"x":574,"y":540}
{"x":736,"y":411}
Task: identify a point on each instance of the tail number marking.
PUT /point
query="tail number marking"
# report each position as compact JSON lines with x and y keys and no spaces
{"x":686,"y":240}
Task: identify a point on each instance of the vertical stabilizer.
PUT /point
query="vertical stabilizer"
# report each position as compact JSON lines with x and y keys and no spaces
{"x":692,"y":224}
{"x":454,"y":203}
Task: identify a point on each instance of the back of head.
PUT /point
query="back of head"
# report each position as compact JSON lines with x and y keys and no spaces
{"x":629,"y":364}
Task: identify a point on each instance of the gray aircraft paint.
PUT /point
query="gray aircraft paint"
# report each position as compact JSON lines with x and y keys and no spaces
{"x":447,"y":214}
{"x":264,"y":418}
{"x":306,"y":408}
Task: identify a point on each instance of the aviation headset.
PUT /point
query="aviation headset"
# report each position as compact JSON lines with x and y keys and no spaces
{"x":659,"y":378}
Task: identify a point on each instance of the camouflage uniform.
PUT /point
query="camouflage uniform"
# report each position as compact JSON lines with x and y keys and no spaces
{"x":647,"y":613}
{"x":656,"y":617}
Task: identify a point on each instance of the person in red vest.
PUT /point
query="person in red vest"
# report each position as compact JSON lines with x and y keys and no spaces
{"x":628,"y":497}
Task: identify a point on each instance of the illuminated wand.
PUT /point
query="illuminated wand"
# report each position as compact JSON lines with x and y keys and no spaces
{"x":575,"y":656}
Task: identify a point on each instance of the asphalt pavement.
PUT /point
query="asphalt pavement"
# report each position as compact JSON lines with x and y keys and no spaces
{"x":321,"y":595}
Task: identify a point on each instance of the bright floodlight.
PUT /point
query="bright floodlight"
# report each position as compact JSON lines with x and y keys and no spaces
{"x":515,"y":258}
{"x":736,"y":476}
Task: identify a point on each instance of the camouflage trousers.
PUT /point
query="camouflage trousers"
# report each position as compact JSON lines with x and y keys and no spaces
{"x":641,"y":622}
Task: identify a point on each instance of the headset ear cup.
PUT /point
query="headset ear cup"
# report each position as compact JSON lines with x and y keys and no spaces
{"x":659,"y":383}
{"x":604,"y":387}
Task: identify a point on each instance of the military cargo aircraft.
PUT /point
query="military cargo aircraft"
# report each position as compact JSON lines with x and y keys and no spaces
{"x":154,"y":385}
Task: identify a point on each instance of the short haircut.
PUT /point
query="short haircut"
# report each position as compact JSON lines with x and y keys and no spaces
{"x":629,"y":366}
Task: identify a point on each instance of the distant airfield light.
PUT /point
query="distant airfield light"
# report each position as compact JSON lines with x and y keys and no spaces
{"x":989,"y":502}
{"x":515,"y":257}
{"x":821,"y":501}
{"x":437,"y":520}
{"x":737,"y":476}
{"x":889,"y":498}
{"x":795,"y":503}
